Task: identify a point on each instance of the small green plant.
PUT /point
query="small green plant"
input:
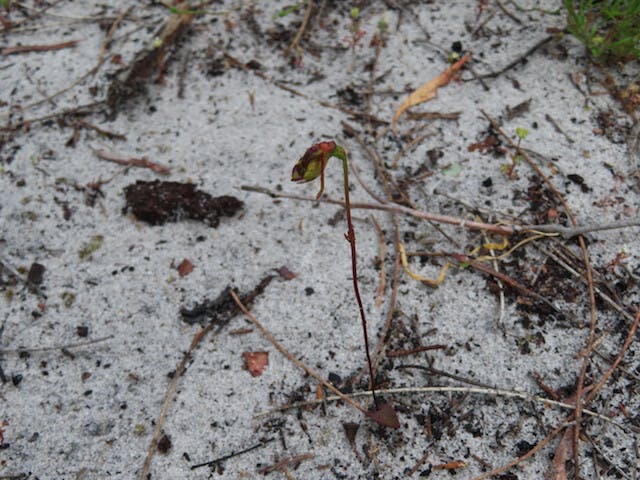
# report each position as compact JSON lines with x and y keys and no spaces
{"x":356,"y":28}
{"x":288,"y":9}
{"x":308,"y":168}
{"x":609,"y":29}
{"x":509,"y":169}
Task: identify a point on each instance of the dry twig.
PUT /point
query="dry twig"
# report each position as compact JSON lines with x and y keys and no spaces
{"x":293,"y":359}
{"x":38,"y":48}
{"x":498,"y":229}
{"x":301,"y":30}
{"x":226,"y":316}
{"x":590,"y":283}
{"x":141,"y":162}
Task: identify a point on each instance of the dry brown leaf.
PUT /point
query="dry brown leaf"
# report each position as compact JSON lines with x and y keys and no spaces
{"x":564,"y":451}
{"x":429,"y":90}
{"x":256,"y":362}
{"x":385,"y":415}
{"x":451,"y":465}
{"x":185,"y":268}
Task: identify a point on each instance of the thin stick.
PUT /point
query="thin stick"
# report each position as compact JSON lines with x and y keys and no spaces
{"x":503,"y":229}
{"x":80,"y":110}
{"x":141,"y":162}
{"x":553,"y":255}
{"x":238,"y":64}
{"x":57,"y":347}
{"x":521,"y":58}
{"x":589,"y":275}
{"x":180,"y":368}
{"x":86,"y":75}
{"x":37,"y":48}
{"x":522,"y":458}
{"x":303,"y":27}
{"x":499,"y":392}
{"x":211,"y":463}
{"x":413,"y":351}
{"x":616,"y":362}
{"x":291,"y":358}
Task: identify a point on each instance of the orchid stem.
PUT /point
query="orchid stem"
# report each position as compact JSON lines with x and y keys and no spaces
{"x":351,"y":238}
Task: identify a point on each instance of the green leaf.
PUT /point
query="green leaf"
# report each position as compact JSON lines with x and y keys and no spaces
{"x":452,"y":170}
{"x":287,"y":10}
{"x":383,"y":25}
{"x":93,"y":245}
{"x":180,"y":11}
{"x":522,"y":133}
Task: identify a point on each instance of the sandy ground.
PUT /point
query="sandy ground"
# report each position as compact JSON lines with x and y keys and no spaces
{"x":92,"y":337}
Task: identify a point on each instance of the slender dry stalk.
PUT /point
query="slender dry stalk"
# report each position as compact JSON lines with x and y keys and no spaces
{"x":292,"y":358}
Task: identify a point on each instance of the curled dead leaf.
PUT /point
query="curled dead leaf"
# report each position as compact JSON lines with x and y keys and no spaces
{"x":429,"y":90}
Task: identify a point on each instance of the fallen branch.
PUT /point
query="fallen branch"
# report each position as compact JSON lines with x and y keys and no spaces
{"x":616,"y":362}
{"x":499,"y":392}
{"x":502,"y":229}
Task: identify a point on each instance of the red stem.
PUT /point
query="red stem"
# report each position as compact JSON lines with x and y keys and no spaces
{"x":351,"y":238}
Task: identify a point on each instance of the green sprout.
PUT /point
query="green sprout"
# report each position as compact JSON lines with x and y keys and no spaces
{"x":509,"y":169}
{"x":609,"y":29}
{"x":288,"y":10}
{"x":383,"y":26}
{"x":311,"y":166}
{"x":521,"y":133}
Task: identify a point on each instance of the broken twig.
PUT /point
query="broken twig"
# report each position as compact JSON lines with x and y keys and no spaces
{"x":501,"y":229}
{"x":141,"y":162}
{"x":290,"y":356}
{"x":37,"y":48}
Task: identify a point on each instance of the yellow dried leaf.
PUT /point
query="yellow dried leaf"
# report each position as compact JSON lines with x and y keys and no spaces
{"x":426,"y":281}
{"x":429,"y":90}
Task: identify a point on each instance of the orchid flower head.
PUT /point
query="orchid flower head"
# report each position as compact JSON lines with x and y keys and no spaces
{"x":314,"y":161}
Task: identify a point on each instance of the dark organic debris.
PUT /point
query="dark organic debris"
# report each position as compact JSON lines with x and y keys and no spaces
{"x":164,"y":444}
{"x":351,"y":430}
{"x":158,"y":202}
{"x":36,"y":274}
{"x":133,"y":79}
{"x":223,"y":307}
